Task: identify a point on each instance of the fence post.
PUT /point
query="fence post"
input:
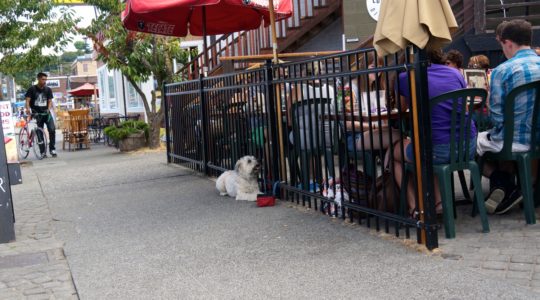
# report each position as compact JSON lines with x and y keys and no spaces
{"x":204,"y":125}
{"x":274,"y":126}
{"x":426,"y":150}
{"x":165,"y":104}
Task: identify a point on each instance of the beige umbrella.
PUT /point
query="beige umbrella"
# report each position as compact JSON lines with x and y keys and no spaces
{"x":415,"y":22}
{"x":421,"y":23}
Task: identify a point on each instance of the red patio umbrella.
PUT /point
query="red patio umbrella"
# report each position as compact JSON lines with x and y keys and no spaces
{"x":178,"y":17}
{"x":201,"y":17}
{"x":86,"y":89}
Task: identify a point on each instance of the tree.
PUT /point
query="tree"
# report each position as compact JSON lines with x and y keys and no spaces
{"x":82,"y":47}
{"x":25,"y":78}
{"x":68,"y":57}
{"x":137,"y":55}
{"x":64,"y":62}
{"x":27,"y":29}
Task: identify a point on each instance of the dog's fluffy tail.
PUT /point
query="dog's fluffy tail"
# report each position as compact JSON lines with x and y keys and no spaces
{"x":220,"y":185}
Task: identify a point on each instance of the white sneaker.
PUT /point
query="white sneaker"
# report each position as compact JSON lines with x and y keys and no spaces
{"x":53,"y":153}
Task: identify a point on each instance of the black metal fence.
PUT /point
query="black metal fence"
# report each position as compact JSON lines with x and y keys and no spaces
{"x":327,"y":130}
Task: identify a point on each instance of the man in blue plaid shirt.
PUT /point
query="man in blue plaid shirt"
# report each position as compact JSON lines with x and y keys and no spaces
{"x":522,"y":66}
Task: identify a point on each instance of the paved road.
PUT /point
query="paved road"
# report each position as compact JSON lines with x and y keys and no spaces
{"x":136,"y":228}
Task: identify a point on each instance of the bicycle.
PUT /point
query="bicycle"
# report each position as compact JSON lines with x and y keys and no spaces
{"x":31,"y":137}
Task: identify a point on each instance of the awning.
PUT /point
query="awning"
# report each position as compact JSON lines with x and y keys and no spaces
{"x":86,"y":89}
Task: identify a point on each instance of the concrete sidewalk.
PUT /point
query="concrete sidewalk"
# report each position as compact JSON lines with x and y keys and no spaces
{"x":137,"y":228}
{"x":34,"y":266}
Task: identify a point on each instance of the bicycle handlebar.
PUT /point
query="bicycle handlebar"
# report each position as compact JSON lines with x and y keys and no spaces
{"x":33,"y":115}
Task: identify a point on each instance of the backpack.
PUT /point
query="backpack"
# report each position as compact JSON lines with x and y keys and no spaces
{"x":356,"y":184}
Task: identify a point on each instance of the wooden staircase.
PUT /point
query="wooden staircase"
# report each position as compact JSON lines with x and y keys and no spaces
{"x":479,"y":37}
{"x":309,"y":17}
{"x":490,"y":13}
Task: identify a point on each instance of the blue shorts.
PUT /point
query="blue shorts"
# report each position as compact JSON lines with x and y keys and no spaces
{"x":441,"y":152}
{"x":351,"y":141}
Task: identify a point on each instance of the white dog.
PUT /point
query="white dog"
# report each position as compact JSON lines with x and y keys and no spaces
{"x":242,"y":182}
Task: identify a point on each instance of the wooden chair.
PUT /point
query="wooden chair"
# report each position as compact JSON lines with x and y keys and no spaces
{"x":64,"y":124}
{"x":522,"y":159}
{"x":78,"y":133}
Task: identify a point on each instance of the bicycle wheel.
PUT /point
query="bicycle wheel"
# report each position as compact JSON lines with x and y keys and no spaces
{"x":37,"y":132}
{"x":24,"y":143}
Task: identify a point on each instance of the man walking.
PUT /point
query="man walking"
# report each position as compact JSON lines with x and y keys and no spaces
{"x":38,"y":104}
{"x":522,"y":66}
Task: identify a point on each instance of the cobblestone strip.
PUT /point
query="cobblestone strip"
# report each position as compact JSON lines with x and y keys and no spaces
{"x":511,"y":251}
{"x":49,"y":278}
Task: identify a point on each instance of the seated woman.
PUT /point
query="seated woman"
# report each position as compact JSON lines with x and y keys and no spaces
{"x":441,"y":79}
{"x":454,"y":59}
{"x":481,"y":62}
{"x":358,"y":135}
{"x":478,"y":62}
{"x":311,"y":101}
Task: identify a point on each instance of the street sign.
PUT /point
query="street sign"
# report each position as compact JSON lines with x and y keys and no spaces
{"x":53,"y":83}
{"x":7,"y":118}
{"x":8,"y":127}
{"x":373,"y":7}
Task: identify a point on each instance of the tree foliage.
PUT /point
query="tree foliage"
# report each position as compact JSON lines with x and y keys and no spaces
{"x":29,"y":27}
{"x":68,"y":56}
{"x":137,"y":55}
{"x":82,"y":47}
{"x":25,"y":78}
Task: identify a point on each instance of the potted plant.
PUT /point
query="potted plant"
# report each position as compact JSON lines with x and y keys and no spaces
{"x":128,"y":135}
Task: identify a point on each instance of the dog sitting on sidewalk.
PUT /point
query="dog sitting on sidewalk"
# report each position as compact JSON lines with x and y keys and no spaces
{"x":241,"y":183}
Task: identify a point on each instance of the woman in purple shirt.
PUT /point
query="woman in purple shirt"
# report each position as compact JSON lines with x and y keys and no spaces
{"x":441,"y":79}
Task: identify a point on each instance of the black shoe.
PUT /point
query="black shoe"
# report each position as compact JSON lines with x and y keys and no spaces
{"x":512,"y":200}
{"x":496,"y":196}
{"x":43,"y":155}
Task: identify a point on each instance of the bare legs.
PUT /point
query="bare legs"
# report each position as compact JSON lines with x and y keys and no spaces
{"x":398,"y":171}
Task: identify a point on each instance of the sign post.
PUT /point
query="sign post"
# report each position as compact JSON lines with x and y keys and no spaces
{"x":7,"y":218}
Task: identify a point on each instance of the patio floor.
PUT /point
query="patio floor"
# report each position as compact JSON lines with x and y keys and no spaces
{"x":510,"y":251}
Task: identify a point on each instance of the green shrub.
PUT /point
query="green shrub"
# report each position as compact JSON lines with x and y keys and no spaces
{"x":124,"y":129}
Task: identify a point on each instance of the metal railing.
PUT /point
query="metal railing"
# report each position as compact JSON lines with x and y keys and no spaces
{"x":490,"y":13}
{"x":327,"y":131}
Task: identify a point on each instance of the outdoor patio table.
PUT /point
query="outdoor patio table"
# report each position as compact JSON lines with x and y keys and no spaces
{"x":374,"y":117}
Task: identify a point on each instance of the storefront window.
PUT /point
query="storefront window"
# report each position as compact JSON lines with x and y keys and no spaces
{"x":112,"y":92}
{"x":102,"y":80}
{"x":134,"y":100}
